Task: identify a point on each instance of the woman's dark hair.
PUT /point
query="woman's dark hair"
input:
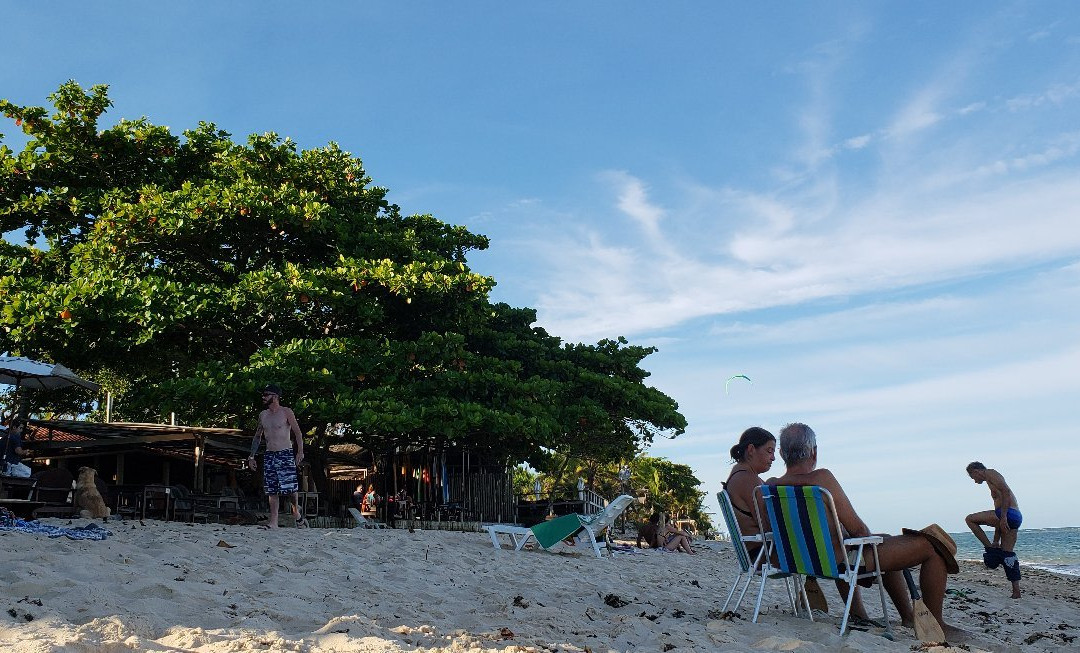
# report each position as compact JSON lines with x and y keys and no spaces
{"x":755,"y":435}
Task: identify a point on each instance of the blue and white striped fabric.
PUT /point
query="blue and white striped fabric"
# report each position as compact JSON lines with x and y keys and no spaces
{"x":10,"y":523}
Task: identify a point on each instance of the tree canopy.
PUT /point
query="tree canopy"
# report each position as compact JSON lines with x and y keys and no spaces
{"x":183,"y":272}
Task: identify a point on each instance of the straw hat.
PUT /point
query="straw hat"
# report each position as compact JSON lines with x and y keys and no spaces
{"x":943,"y":544}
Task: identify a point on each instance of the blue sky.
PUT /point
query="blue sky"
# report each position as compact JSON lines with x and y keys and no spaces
{"x":869,"y":208}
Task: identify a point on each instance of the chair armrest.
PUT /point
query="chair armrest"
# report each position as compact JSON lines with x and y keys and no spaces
{"x":753,"y":538}
{"x":869,"y":539}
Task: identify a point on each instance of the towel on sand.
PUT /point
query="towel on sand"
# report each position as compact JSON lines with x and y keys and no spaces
{"x":551,"y":532}
{"x":9,"y":522}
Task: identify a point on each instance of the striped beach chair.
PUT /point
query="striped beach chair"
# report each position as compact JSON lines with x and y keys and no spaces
{"x":748,"y":566}
{"x":808,"y":541}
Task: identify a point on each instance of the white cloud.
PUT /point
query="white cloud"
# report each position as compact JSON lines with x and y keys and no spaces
{"x":857,"y":142}
{"x":634,"y":202}
{"x":1055,"y":94}
{"x":886,"y":242}
{"x":920,"y":384}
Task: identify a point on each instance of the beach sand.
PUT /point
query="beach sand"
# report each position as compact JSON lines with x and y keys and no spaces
{"x":167,"y":586}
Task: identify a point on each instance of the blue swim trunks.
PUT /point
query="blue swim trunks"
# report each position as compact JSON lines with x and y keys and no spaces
{"x":279,"y":472}
{"x":1012,"y":517}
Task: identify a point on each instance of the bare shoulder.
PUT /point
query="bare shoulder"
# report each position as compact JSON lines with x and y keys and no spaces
{"x":824,"y":474}
{"x":826,"y":479}
{"x":738,"y":480}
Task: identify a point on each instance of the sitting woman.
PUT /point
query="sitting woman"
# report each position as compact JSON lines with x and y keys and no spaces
{"x":367,"y":507}
{"x":668,"y":538}
{"x":798,"y":448}
{"x":753,"y":456}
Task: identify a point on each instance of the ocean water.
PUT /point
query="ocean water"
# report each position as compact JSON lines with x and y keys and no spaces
{"x":1053,"y":549}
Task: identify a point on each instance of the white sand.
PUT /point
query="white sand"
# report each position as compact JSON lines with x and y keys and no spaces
{"x":169,"y":587}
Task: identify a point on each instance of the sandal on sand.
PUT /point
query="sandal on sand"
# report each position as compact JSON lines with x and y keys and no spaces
{"x":301,"y":523}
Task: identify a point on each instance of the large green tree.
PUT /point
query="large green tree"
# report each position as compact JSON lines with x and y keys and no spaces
{"x":182,"y":272}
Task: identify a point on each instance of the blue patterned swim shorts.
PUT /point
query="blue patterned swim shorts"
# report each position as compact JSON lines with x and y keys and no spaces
{"x":279,"y":472}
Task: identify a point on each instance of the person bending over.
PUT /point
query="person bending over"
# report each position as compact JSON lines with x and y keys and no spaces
{"x":1005,"y":519}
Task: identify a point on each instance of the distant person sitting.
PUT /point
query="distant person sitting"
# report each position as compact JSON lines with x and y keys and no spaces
{"x":367,"y":506}
{"x":666,"y":537}
{"x":14,"y":451}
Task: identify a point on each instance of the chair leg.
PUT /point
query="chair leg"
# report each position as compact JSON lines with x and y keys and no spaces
{"x":746,"y":586}
{"x":852,"y":581}
{"x":761,"y":592}
{"x":881,"y":592}
{"x":734,"y":586}
{"x":795,"y":593}
{"x":595,"y":544}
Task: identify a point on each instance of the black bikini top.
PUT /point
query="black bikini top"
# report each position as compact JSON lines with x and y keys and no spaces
{"x":724,"y":483}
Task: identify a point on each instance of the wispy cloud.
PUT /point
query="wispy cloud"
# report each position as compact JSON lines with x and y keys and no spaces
{"x":1056,"y":94}
{"x":885,"y":242}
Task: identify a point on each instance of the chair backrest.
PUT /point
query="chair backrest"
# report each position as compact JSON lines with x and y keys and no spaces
{"x":54,"y":485}
{"x":360,"y":519}
{"x":805,"y":529}
{"x":733,"y":529}
{"x":606,"y":517}
{"x":229,"y":503}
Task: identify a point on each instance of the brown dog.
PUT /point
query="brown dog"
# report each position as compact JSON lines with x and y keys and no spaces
{"x":87,"y":497}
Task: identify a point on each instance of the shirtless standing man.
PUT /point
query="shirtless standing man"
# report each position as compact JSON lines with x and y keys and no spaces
{"x":1005,"y":518}
{"x":278,"y":425}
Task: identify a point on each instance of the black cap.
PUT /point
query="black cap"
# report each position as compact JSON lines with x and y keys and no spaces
{"x":273,"y":389}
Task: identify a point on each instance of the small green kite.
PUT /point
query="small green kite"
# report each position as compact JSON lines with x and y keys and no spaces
{"x":736,"y":376}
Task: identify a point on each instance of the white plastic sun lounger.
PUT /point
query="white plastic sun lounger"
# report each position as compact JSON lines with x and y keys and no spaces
{"x":365,"y":522}
{"x":549,"y":533}
{"x":519,"y":535}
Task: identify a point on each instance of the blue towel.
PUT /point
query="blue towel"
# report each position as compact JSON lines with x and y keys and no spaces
{"x":91,"y":531}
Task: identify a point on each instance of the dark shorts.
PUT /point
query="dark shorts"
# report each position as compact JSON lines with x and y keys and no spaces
{"x":279,"y":472}
{"x":1012,"y":517}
